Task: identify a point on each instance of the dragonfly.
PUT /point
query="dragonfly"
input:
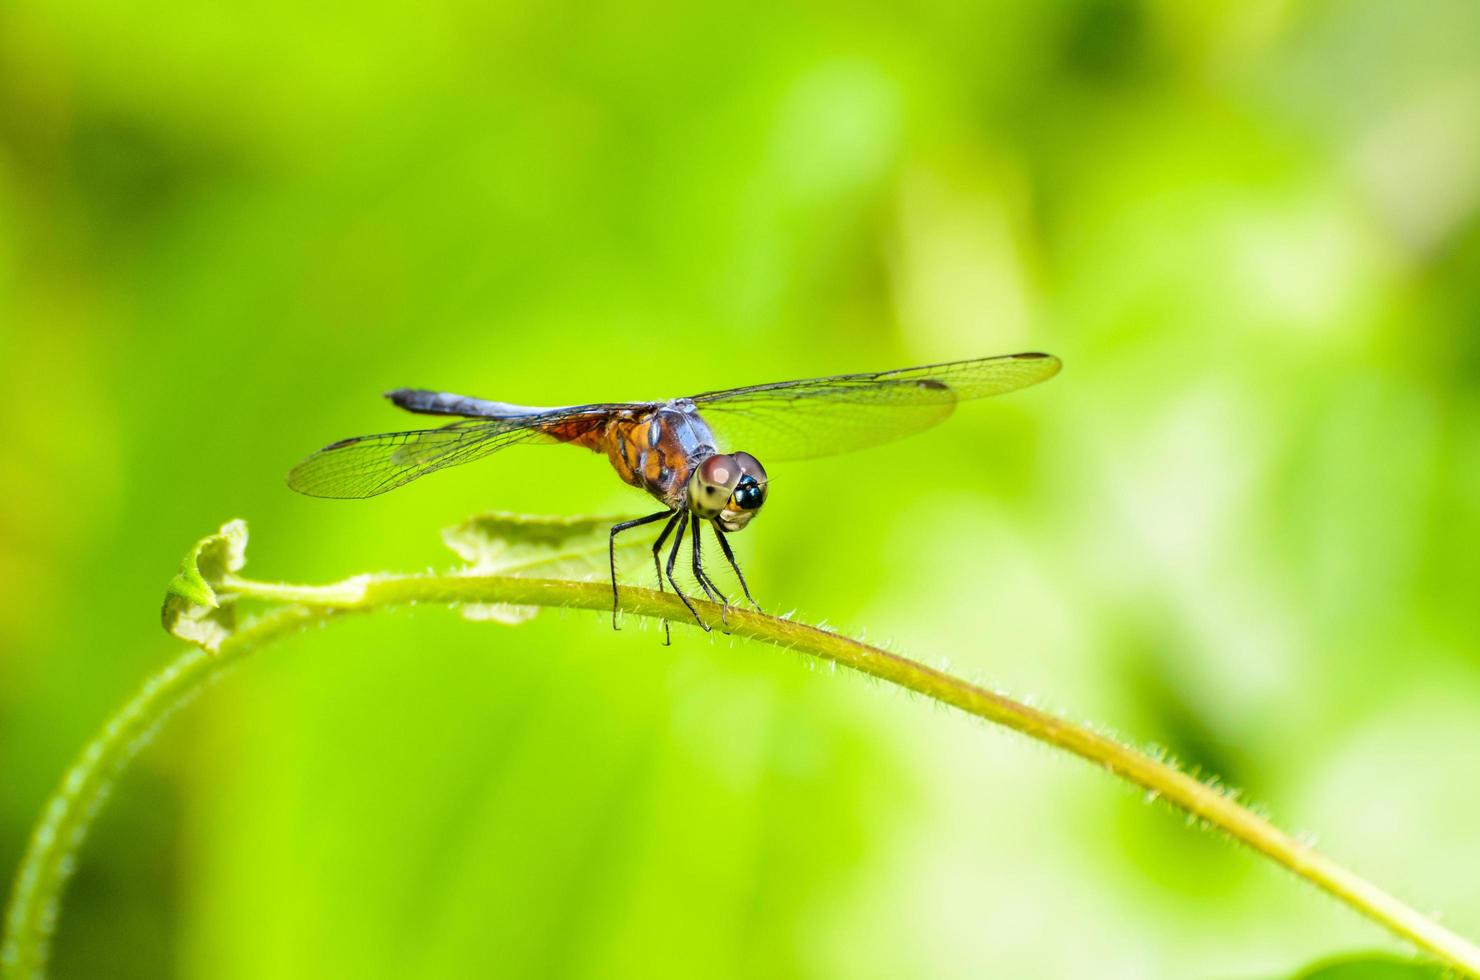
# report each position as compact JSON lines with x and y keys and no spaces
{"x":670,"y":448}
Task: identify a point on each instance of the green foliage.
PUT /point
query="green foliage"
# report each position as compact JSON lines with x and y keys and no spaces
{"x":1373,"y":967}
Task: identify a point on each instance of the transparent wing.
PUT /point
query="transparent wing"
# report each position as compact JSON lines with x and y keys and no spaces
{"x":826,"y":416}
{"x":368,"y":465}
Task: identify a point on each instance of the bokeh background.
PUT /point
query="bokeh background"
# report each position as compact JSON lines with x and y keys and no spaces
{"x":1243,"y":524}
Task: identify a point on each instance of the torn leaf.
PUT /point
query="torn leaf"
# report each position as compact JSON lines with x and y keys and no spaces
{"x":193,"y":609}
{"x":533,"y":547}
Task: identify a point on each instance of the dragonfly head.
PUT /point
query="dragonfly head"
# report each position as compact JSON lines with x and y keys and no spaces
{"x":728,"y":488}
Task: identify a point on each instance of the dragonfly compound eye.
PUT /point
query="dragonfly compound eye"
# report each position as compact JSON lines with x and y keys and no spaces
{"x":748,"y":495}
{"x":711,"y":485}
{"x":750,"y":466}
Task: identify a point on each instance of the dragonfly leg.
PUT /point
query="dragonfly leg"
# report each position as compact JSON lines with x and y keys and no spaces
{"x":611,"y":550}
{"x":658,"y":567}
{"x":683,"y":521}
{"x":705,"y":582}
{"x":724,"y":545}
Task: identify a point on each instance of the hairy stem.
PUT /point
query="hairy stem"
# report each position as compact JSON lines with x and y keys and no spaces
{"x":32,"y":913}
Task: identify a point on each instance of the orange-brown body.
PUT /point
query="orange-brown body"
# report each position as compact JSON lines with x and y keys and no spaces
{"x":655,"y":450}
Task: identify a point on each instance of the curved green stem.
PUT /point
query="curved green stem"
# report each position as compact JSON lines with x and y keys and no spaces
{"x":30,"y":918}
{"x":32,"y":913}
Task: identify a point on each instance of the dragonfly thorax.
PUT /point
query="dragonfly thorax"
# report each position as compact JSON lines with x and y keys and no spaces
{"x":658,"y":450}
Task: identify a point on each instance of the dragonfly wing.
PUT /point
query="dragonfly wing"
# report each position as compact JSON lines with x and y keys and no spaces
{"x":369,"y":465}
{"x":826,"y":416}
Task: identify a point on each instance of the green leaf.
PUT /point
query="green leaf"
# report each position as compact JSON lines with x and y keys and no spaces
{"x":193,"y":609}
{"x":1372,"y":966}
{"x":501,"y":543}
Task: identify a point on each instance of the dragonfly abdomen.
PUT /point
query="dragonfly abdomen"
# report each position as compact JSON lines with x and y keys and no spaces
{"x":446,"y":403}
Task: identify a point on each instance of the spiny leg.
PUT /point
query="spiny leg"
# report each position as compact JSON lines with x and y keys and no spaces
{"x":683,"y":522}
{"x":705,"y":582}
{"x":658,"y":566}
{"x":724,"y":545}
{"x":658,"y":546}
{"x":611,"y":549}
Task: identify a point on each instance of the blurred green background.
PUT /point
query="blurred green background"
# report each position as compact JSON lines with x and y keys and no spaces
{"x":1243,"y":524}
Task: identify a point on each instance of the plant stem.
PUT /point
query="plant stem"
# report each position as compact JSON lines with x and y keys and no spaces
{"x":31,"y":917}
{"x":32,"y":913}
